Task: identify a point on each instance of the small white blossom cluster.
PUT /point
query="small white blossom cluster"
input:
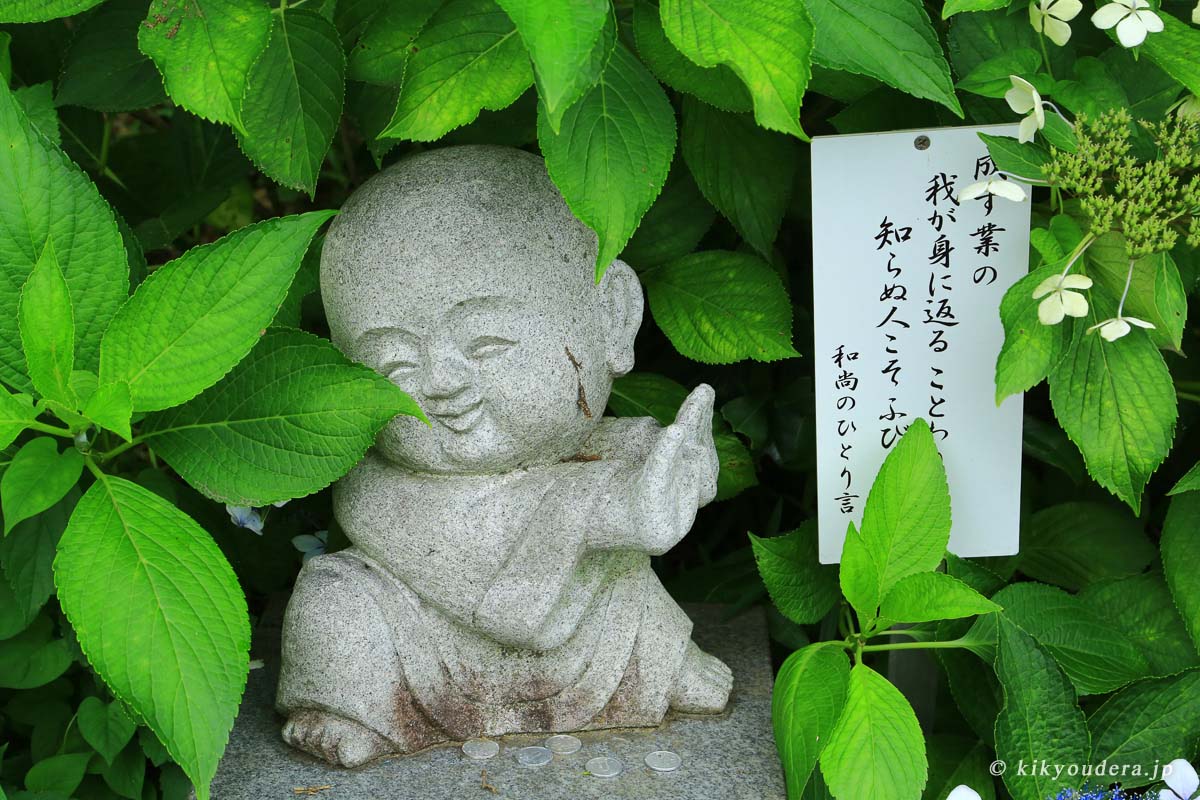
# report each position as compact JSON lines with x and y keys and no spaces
{"x":1133,"y":19}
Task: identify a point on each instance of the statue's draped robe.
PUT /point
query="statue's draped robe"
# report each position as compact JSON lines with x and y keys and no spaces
{"x":471,"y":605}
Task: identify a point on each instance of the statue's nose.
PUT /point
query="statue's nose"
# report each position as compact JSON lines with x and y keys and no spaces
{"x":447,"y":371}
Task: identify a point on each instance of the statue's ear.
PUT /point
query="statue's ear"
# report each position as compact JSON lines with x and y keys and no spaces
{"x":621,"y":306}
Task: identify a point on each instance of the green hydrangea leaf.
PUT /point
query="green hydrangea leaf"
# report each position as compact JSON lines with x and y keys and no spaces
{"x":673,"y":226}
{"x":569,"y":42}
{"x":194,"y":318}
{"x":718,"y":86}
{"x":1138,"y":724}
{"x":953,"y":7}
{"x":42,"y":11}
{"x":810,"y":693}
{"x":1170,"y":50}
{"x":877,"y":748}
{"x":37,"y":477}
{"x":1021,"y":160}
{"x":111,"y":407}
{"x":612,"y":153}
{"x":468,"y":57}
{"x":34,"y":657}
{"x":1075,"y":544}
{"x":44,"y":196}
{"x":104,"y":70}
{"x":1096,"y":656}
{"x":27,"y":553}
{"x":957,"y":760}
{"x":1117,"y":402}
{"x":1141,"y":607}
{"x":743,"y":170}
{"x":892,"y":40}
{"x":381,"y":52}
{"x":1180,"y":547}
{"x":106,"y":727}
{"x":1190,"y":482}
{"x":931,"y":596}
{"x":16,"y":412}
{"x":47,"y":325}
{"x":1156,"y":292}
{"x":992,"y":78}
{"x":179,"y":603}
{"x":126,"y":775}
{"x":294,"y":99}
{"x":802,"y":589}
{"x":1040,"y":718}
{"x":767,"y":43}
{"x":205,"y":50}
{"x":58,"y":775}
{"x":291,"y":418}
{"x":719,"y":307}
{"x":1030,"y":348}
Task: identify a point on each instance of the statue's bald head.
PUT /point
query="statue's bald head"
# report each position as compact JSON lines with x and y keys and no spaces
{"x":454,"y":246}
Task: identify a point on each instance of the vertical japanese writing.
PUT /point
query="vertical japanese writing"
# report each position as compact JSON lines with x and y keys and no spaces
{"x":939,"y":309}
{"x":893,"y":299}
{"x":846,"y":386}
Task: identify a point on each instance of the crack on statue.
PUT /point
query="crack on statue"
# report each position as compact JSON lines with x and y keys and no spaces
{"x":581,"y":399}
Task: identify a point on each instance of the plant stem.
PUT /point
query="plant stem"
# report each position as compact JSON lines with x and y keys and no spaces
{"x":875,"y":648}
{"x":121,"y":448}
{"x":42,"y":427}
{"x":1045,"y":53}
{"x":1195,"y":398}
{"x":1080,"y":249}
{"x":1124,"y":294}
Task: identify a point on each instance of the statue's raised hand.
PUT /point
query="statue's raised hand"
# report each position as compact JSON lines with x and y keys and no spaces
{"x":679,"y":476}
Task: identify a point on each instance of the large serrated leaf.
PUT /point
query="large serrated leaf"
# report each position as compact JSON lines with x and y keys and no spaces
{"x":891,"y":40}
{"x":47,"y":325}
{"x":877,"y":748}
{"x":1155,"y":294}
{"x":468,"y":57}
{"x":381,"y":52}
{"x":293,"y":99}
{"x":744,"y":171}
{"x":1030,"y":348}
{"x":36,"y":478}
{"x":27,"y":553}
{"x":718,"y":86}
{"x":104,"y":70}
{"x":1170,"y":50}
{"x":719,"y":307}
{"x":803,"y":590}
{"x":1040,"y":719}
{"x":1116,"y":401}
{"x":173,"y":644}
{"x":932,"y":596}
{"x":612,"y":153}
{"x":42,"y":196}
{"x":1141,"y":607}
{"x":194,"y":318}
{"x":291,"y":418}
{"x":810,"y":692}
{"x":673,"y":226}
{"x":1074,"y":544}
{"x":569,"y":42}
{"x":1180,"y":547}
{"x":42,"y":10}
{"x":768,"y":43}
{"x":204,"y":50}
{"x":1137,"y":725}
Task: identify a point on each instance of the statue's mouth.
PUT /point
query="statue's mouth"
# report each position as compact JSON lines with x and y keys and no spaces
{"x":460,"y":420}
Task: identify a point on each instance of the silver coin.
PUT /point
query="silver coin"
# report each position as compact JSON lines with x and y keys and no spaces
{"x":663,"y":761}
{"x":534,"y":756}
{"x":563,"y":744}
{"x":480,"y":749}
{"x":604,"y":767}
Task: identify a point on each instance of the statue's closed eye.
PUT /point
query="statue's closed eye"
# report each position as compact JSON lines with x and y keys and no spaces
{"x":488,"y":346}
{"x":398,"y":369}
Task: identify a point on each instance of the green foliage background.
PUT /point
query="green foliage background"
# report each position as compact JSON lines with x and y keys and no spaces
{"x":165,"y":170}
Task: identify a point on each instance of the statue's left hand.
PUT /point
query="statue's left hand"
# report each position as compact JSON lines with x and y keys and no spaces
{"x":679,"y":476}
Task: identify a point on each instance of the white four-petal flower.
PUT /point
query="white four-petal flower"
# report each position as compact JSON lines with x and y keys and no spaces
{"x":1133,"y":20}
{"x":1181,"y":777}
{"x":1060,"y":301}
{"x":1196,"y":15}
{"x":963,"y":792}
{"x":995,"y":185}
{"x":1050,"y":17}
{"x":1023,"y":98}
{"x":1116,"y":327}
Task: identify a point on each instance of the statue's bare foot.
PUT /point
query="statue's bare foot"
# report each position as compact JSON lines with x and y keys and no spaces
{"x":704,"y":683}
{"x":334,"y":739}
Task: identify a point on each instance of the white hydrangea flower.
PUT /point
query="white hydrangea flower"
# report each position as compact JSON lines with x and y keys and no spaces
{"x":1023,"y":98}
{"x":1196,"y":15}
{"x":1060,"y":300}
{"x":1181,"y":777}
{"x":1116,"y":327}
{"x":1050,"y":17}
{"x":245,"y":517}
{"x":1133,"y":20}
{"x":996,"y":186}
{"x":963,"y":792}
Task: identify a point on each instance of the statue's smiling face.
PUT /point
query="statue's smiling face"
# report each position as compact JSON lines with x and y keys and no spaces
{"x":497,"y":376}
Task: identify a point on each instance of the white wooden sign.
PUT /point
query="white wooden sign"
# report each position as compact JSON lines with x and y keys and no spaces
{"x":907,"y":282}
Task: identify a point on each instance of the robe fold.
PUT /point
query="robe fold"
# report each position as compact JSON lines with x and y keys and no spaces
{"x":473,"y":605}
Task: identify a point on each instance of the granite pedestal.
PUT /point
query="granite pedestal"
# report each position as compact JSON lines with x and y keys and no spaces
{"x":731,"y":756}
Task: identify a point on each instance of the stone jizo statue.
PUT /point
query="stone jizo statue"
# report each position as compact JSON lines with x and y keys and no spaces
{"x":499,"y":579}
